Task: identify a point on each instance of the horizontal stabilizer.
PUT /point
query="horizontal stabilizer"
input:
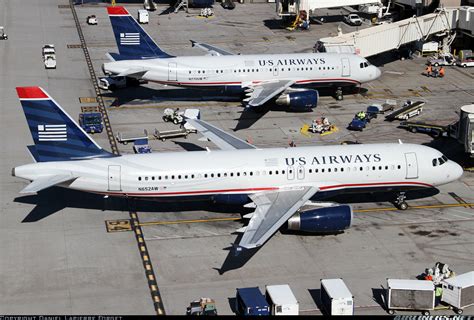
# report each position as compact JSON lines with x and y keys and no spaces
{"x":46,"y":182}
{"x":248,"y":216}
{"x":250,"y":205}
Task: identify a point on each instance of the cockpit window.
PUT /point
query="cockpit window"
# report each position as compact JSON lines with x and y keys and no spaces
{"x":361,"y":65}
{"x":439,"y":161}
{"x":364,"y":64}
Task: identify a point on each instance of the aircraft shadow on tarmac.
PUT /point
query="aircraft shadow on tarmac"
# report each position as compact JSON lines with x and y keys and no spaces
{"x":54,"y":199}
{"x":141,"y":94}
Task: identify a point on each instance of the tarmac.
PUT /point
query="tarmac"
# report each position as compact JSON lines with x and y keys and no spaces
{"x":57,"y":254}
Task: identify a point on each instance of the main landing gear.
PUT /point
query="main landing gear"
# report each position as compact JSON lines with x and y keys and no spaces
{"x":338,"y":94}
{"x":400,"y":202}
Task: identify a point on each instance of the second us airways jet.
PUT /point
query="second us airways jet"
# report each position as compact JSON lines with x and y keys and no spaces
{"x":289,"y":78}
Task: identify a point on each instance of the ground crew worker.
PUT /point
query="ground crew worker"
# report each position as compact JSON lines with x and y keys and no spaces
{"x":429,"y":70}
{"x":429,"y":274}
{"x":441,"y":72}
{"x":435,"y":73}
{"x":361,"y":115}
{"x":438,"y":294}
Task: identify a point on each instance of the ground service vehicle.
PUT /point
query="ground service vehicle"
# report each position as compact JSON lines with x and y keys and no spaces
{"x":90,"y":119}
{"x":443,"y":60}
{"x":92,"y":20}
{"x":3,"y":35}
{"x":281,"y":300}
{"x":407,"y":294}
{"x":143,"y":16}
{"x":458,"y":291}
{"x":419,"y":126}
{"x":336,"y":297}
{"x":202,"y":307}
{"x":251,"y":302}
{"x":466,"y":62}
{"x":141,"y":146}
{"x":49,"y":56}
{"x":353,"y":19}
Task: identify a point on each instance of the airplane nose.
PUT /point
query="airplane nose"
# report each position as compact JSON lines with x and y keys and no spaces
{"x":455,"y":171}
{"x":378,"y":72}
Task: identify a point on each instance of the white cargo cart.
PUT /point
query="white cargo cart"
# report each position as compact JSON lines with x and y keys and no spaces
{"x":125,"y":139}
{"x":336,"y":297}
{"x":281,"y":299}
{"x":407,"y":294}
{"x":459,"y":291}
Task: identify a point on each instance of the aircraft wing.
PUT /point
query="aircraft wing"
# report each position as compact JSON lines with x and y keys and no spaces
{"x":46,"y":182}
{"x":273,"y":209}
{"x":262,"y":92}
{"x":212,"y":51}
{"x":222,"y":139}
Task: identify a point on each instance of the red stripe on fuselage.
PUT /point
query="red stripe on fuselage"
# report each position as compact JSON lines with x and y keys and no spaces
{"x":217,"y":83}
{"x":252,"y":190}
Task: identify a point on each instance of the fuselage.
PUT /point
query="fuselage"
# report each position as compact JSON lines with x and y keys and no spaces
{"x":243,"y":172}
{"x":240,"y":71}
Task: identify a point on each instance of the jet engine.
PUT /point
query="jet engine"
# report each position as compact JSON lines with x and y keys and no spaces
{"x":299,"y":100}
{"x":322,"y":220}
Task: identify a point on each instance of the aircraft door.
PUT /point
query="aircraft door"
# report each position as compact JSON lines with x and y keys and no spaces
{"x":412,"y":165}
{"x":114,"y":178}
{"x":172,"y":72}
{"x":346,"y":67}
{"x":290,"y":173}
{"x":300,"y":172}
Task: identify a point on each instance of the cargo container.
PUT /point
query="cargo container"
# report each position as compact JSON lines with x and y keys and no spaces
{"x":336,"y":297}
{"x":406,"y":294}
{"x":459,"y":291}
{"x":251,"y":302}
{"x":281,"y":300}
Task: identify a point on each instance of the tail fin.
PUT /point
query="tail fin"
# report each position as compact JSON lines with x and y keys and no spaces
{"x":132,"y":41}
{"x":56,"y":136}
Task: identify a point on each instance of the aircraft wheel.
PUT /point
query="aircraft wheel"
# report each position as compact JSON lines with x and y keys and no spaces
{"x":425,"y":313}
{"x":391,"y":311}
{"x":459,"y":311}
{"x":403,"y":205}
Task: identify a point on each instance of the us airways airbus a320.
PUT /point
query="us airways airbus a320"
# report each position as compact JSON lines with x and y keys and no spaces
{"x":289,"y":78}
{"x":278,"y":182}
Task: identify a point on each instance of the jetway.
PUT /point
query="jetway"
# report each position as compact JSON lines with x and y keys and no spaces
{"x":386,"y":37}
{"x":293,"y":7}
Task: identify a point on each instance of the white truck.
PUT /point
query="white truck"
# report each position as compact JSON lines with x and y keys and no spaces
{"x":336,"y":297}
{"x":143,"y":16}
{"x":49,"y":56}
{"x":281,"y":299}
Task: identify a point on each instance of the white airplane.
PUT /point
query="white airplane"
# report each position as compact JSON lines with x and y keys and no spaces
{"x":278,"y":182}
{"x":262,"y":77}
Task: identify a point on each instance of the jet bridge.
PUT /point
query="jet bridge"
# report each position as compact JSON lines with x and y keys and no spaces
{"x":386,"y":37}
{"x":293,"y":7}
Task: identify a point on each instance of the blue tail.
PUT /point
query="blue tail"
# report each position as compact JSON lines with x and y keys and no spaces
{"x":132,"y":41}
{"x":56,"y":136}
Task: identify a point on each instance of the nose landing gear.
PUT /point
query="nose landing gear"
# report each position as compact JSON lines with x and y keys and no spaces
{"x":338,"y":94}
{"x":400,"y":202}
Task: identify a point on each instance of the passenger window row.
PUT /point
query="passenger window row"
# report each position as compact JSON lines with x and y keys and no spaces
{"x":256,"y":173}
{"x":269,"y":70}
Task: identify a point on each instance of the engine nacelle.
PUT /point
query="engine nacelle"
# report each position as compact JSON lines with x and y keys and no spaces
{"x":303,"y":100}
{"x":328,"y":219}
{"x":231,"y":199}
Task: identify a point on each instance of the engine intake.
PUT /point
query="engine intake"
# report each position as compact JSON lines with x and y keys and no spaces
{"x":299,"y":100}
{"x":329,"y":219}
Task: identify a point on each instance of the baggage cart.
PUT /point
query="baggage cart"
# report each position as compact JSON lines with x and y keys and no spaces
{"x":434,"y":130}
{"x":123,"y":139}
{"x":336,"y":297}
{"x":163,"y":135}
{"x":407,"y":294}
{"x":458,"y":291}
